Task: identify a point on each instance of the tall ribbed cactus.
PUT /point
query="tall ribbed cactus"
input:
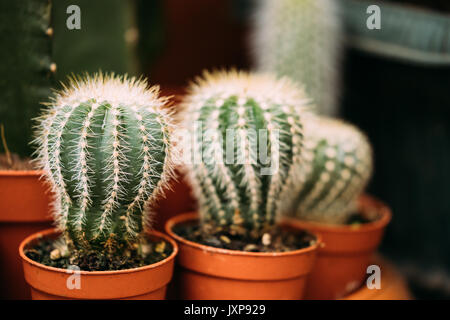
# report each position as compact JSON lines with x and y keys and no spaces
{"x":230,"y":115}
{"x":337,"y":167}
{"x":301,"y":39}
{"x":26,"y":68}
{"x":113,"y":31}
{"x":105,"y":146}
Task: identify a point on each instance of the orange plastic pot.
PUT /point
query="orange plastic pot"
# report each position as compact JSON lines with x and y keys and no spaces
{"x":211,"y":273}
{"x":143,"y":283}
{"x":24,"y":209}
{"x":342,"y":261}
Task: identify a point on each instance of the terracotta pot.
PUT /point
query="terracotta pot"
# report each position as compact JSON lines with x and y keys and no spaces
{"x":24,"y":209}
{"x":392,"y":285}
{"x":48,"y":283}
{"x":211,"y":273}
{"x":343,"y":259}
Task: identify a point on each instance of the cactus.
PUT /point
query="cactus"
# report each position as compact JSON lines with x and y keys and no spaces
{"x":26,"y":68}
{"x":104,"y":143}
{"x":227,"y":113}
{"x":104,"y":24}
{"x":408,"y":33}
{"x":301,"y":39}
{"x":337,"y":167}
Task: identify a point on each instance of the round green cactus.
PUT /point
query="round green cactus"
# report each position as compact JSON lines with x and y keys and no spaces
{"x":301,"y":39}
{"x":337,"y":167}
{"x":247,"y":141}
{"x":104,"y":143}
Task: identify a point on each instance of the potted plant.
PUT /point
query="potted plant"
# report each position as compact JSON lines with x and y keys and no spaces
{"x":26,"y":74}
{"x":24,"y":209}
{"x":234,"y":248}
{"x":337,"y":166}
{"x":104,"y":144}
{"x":301,"y":39}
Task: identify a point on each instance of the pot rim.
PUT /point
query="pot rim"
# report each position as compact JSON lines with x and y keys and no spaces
{"x":381,"y":207}
{"x":19,"y":173}
{"x":51,"y":231}
{"x":193,"y":215}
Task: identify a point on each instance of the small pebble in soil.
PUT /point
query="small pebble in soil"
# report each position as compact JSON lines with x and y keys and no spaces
{"x":55,"y":254}
{"x":225,"y":239}
{"x":160,"y":247}
{"x":265,"y":239}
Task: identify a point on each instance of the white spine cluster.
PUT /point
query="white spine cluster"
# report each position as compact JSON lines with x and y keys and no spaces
{"x":83,"y":170}
{"x":216,"y":151}
{"x":116,"y":177}
{"x":246,"y":154}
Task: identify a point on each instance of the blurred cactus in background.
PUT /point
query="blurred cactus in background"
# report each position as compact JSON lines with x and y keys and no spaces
{"x":26,"y":68}
{"x":105,"y":146}
{"x":106,"y":39}
{"x":228,"y":115}
{"x":301,"y":39}
{"x":407,"y":33}
{"x":337,"y":166}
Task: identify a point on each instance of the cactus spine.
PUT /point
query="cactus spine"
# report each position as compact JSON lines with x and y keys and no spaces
{"x":226,"y":113}
{"x":337,"y":167}
{"x":105,"y":145}
{"x":301,"y":39}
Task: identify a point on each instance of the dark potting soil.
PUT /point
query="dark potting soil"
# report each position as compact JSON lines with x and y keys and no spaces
{"x":14,"y":162}
{"x":275,"y":239}
{"x":95,"y":261}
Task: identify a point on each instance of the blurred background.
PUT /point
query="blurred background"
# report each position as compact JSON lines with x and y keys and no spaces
{"x":392,"y":82}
